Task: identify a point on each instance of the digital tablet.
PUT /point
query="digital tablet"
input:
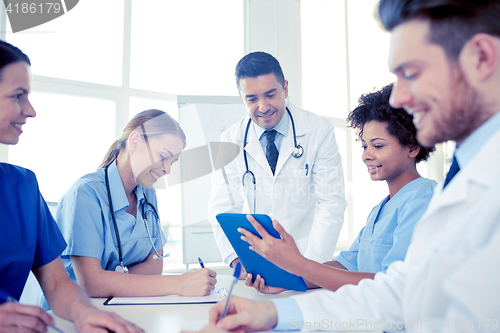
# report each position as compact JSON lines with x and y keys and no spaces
{"x":253,"y":262}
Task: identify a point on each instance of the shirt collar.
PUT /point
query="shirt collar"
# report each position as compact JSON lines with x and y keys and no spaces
{"x":281,"y":127}
{"x":116,"y":187}
{"x":473,"y":143}
{"x":118,"y":195}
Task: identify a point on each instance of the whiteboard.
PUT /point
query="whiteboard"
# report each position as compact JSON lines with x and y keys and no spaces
{"x":203,"y":119}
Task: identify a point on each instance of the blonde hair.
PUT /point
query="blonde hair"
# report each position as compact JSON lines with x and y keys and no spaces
{"x":149,"y":123}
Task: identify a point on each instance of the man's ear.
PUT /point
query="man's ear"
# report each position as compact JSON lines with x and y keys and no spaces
{"x":134,"y":141}
{"x":479,"y":57}
{"x":413,"y":151}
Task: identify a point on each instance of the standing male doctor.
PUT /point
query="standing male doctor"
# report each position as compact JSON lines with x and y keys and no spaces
{"x":292,"y":158}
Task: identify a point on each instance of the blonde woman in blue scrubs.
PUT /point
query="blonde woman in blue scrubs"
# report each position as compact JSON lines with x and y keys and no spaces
{"x":391,"y":153}
{"x":150,"y":143}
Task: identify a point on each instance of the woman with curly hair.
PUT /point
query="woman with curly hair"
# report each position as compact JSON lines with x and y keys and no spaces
{"x":391,"y":153}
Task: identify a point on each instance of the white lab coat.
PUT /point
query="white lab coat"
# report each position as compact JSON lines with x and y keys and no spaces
{"x":451,"y":274}
{"x":313,"y":219}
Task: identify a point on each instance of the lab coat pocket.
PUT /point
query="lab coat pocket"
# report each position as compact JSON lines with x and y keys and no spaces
{"x":436,"y":278}
{"x":298,"y":186}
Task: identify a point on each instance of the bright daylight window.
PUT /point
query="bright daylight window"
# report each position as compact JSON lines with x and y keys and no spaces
{"x":186,"y":47}
{"x":95,"y":69}
{"x":336,"y":72}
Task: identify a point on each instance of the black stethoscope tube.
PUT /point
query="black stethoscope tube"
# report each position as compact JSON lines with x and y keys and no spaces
{"x":297,"y":152}
{"x":120,"y":257}
{"x":117,"y":233}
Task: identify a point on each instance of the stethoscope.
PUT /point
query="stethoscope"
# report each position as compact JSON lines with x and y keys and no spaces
{"x":297,"y":152}
{"x":121,"y":267}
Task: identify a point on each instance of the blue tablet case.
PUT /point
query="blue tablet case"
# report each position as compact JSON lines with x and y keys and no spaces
{"x":253,"y":262}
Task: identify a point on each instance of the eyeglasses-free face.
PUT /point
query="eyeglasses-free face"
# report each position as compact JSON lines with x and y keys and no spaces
{"x":15,"y":107}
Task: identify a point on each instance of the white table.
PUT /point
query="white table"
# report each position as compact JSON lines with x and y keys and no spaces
{"x":168,"y":318}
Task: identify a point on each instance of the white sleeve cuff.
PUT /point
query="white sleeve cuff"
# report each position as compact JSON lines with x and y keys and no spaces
{"x":229,"y":259}
{"x":289,"y":314}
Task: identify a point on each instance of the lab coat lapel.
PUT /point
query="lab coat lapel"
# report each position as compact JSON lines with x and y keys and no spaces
{"x":452,"y":196}
{"x":286,"y":149}
{"x":254,"y":149}
{"x":288,"y":144}
{"x":479,"y":170}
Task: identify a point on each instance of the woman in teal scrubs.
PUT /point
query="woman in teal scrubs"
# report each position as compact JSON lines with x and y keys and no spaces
{"x":391,"y":153}
{"x":117,"y":202}
{"x":29,"y":237}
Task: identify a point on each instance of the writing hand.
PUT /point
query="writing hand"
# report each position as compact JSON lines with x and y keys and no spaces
{"x":244,"y":315}
{"x":198,"y":282}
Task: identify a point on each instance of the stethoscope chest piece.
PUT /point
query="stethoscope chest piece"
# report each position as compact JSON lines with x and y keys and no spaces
{"x":298,"y":151}
{"x":121,"y":269}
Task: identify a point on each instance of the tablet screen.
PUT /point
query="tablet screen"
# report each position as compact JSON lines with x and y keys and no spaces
{"x":252,"y":261}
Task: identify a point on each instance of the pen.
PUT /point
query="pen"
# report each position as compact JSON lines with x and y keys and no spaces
{"x":201,"y":262}
{"x":236,"y":275}
{"x":4,"y":297}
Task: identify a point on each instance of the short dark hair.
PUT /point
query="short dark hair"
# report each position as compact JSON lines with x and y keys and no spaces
{"x":452,"y":22}
{"x":10,"y":54}
{"x":258,"y":63}
{"x":375,"y":106}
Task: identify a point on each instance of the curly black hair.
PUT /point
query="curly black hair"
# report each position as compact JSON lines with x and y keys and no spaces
{"x":375,"y":106}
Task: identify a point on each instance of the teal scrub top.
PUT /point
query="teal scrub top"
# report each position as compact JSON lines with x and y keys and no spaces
{"x":84,"y":217}
{"x":389,"y":228}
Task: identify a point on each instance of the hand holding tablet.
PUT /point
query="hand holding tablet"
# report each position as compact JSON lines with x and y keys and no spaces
{"x":253,"y":261}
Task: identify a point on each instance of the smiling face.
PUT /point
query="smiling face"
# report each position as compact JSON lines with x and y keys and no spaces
{"x":15,"y":108}
{"x":153,"y":162}
{"x":264,"y":98}
{"x":385,"y":158}
{"x":431,"y":87}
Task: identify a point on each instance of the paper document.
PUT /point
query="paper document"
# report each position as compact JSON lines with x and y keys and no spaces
{"x":220,"y":291}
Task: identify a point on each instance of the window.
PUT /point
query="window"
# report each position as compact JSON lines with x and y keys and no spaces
{"x":344,"y":55}
{"x":186,"y":47}
{"x":75,"y":47}
{"x":95,"y":69}
{"x":66,"y":140}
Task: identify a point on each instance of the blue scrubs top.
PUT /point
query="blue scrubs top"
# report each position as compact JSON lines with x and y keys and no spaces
{"x":29,"y":237}
{"x":84,"y":217}
{"x":389,"y":228}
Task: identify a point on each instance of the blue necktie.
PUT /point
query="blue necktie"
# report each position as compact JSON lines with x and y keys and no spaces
{"x":271,"y":150}
{"x":453,"y":171}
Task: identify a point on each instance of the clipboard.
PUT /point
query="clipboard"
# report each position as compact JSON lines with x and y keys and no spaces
{"x":251,"y":260}
{"x":219,"y":293}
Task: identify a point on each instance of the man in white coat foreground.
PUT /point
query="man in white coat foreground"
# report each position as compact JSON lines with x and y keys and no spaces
{"x":302,"y":188}
{"x":446,"y":57}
